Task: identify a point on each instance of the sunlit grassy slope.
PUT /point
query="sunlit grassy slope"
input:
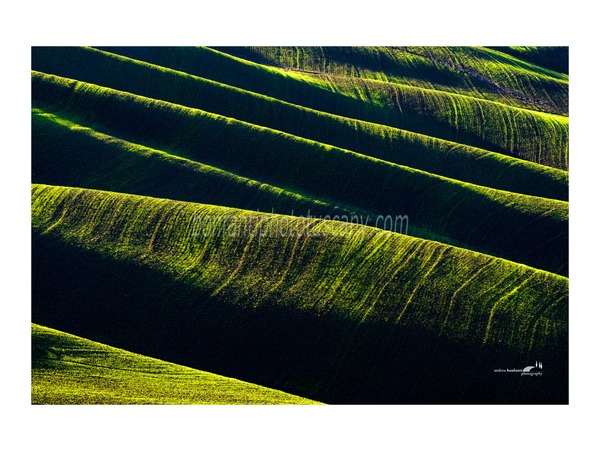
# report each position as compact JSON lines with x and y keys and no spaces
{"x":489,"y":220}
{"x":336,"y":312}
{"x":67,"y":369}
{"x":526,"y":133}
{"x":156,"y":170}
{"x":475,"y":71}
{"x":66,"y":153}
{"x":391,"y":144}
{"x":553,"y":58}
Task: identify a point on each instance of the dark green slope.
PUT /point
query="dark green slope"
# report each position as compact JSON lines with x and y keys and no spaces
{"x":68,"y":369}
{"x":553,"y":58}
{"x":515,"y":79}
{"x":448,"y":138}
{"x":66,"y":153}
{"x":401,"y":147}
{"x":343,"y":314}
{"x":527,"y":134}
{"x":523,"y":133}
{"x":474,"y":71}
{"x":525,"y":229}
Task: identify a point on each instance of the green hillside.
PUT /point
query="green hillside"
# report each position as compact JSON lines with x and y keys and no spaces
{"x":390,"y":144}
{"x":118,"y":165}
{"x":327,"y":301}
{"x":474,"y":71}
{"x":479,"y":221}
{"x":492,"y":125}
{"x":348,"y":225}
{"x":93,"y":373}
{"x":554,"y":58}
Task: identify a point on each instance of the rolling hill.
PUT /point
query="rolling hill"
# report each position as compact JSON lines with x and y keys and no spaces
{"x":325,"y":298}
{"x":394,"y":145}
{"x":492,"y":125}
{"x":478,"y":221}
{"x":341,"y":224}
{"x":94,"y":373}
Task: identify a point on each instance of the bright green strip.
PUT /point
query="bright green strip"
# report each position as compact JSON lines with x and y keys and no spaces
{"x":526,"y":229}
{"x":182,"y":243}
{"x":527,"y":134}
{"x":303,"y":305}
{"x":397,"y":146}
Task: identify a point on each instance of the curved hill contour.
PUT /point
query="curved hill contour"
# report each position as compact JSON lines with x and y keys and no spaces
{"x":321,"y":301}
{"x":341,"y":224}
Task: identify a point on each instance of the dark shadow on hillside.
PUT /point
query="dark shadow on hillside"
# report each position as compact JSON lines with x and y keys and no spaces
{"x":214,"y":66}
{"x":327,"y":358}
{"x":553,"y":58}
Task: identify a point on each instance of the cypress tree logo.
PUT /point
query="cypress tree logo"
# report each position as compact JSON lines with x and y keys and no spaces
{"x":533,"y":370}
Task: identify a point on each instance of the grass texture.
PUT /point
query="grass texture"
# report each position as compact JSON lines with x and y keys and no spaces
{"x":311,"y":312}
{"x":94,"y":373}
{"x":488,"y":220}
{"x":474,"y":71}
{"x":401,"y":147}
{"x":517,"y":131}
{"x":349,"y":225}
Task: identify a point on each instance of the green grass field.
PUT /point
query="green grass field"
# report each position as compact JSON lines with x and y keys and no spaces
{"x":492,"y":125}
{"x":168,"y":185}
{"x":480,"y":72}
{"x":401,"y":147}
{"x":489,"y":220}
{"x":93,"y":373}
{"x":342,"y":288}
